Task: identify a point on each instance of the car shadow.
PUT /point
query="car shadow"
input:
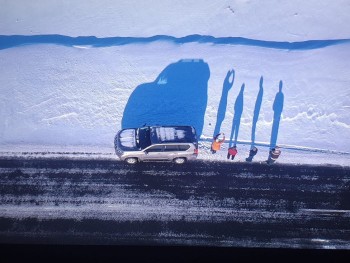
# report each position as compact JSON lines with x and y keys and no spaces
{"x":178,"y":96}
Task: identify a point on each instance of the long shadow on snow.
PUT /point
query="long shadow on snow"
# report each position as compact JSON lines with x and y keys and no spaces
{"x":178,"y":96}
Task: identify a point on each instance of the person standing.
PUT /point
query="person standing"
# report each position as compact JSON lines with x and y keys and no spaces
{"x":216,"y":144}
{"x":231,"y":153}
{"x":273,"y":155}
{"x":253,"y":151}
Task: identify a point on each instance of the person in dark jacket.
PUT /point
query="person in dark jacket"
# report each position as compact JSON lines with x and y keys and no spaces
{"x":253,"y":151}
{"x":231,"y":153}
{"x":273,"y":155}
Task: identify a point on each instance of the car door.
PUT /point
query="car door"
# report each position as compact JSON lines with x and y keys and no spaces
{"x":154,"y":153}
{"x":171,"y":151}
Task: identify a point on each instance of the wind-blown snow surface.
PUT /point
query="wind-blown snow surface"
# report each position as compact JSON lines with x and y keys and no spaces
{"x":274,"y":20}
{"x":73,"y":97}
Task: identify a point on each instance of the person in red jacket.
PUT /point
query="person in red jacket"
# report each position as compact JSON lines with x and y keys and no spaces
{"x":232,"y":151}
{"x":216,"y":144}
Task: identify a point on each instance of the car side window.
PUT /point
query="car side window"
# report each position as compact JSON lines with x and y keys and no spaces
{"x":184,"y":147}
{"x":156,"y":148}
{"x":171,"y":148}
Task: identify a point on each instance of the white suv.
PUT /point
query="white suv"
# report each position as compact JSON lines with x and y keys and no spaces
{"x":157,"y":143}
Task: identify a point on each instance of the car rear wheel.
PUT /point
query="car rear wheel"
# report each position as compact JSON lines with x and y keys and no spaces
{"x":131,"y":160}
{"x":180,"y":160}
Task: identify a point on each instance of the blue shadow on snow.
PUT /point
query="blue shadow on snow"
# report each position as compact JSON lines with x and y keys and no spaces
{"x":178,"y":96}
{"x":8,"y":41}
{"x":277,"y":109}
{"x":227,"y":85}
{"x":257,"y":110}
{"x":237,"y":117}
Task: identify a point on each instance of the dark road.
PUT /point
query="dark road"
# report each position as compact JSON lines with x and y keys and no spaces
{"x":58,"y":201}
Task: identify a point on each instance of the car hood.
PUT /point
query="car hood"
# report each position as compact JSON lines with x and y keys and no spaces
{"x":127,"y":139}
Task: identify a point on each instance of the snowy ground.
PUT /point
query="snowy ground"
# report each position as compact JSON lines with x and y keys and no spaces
{"x":59,"y":96}
{"x":288,"y":156}
{"x":274,"y":20}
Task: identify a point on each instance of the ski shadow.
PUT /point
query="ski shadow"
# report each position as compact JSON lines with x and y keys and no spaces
{"x":178,"y":96}
{"x":257,"y":110}
{"x":227,"y":85}
{"x":238,"y":108}
{"x":277,"y":109}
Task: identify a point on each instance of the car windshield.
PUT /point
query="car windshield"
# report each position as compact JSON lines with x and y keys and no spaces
{"x":143,"y":138}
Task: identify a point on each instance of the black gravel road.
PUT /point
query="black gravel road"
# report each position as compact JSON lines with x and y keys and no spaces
{"x":220,"y":204}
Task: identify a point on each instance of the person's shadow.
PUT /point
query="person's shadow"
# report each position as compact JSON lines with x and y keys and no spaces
{"x":277,"y":109}
{"x":256,"y":116}
{"x":178,"y":96}
{"x":227,"y":85}
{"x":257,"y":110}
{"x":237,"y":117}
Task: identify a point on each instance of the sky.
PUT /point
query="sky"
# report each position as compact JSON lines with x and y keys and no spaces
{"x":72,"y":73}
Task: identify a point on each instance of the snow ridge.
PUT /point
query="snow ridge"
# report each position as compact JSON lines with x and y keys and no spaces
{"x":93,"y":41}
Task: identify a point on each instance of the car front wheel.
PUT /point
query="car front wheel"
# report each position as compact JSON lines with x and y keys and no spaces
{"x":179,"y":160}
{"x":131,"y":160}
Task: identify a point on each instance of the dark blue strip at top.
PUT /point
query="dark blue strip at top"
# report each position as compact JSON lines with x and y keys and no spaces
{"x":9,"y":41}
